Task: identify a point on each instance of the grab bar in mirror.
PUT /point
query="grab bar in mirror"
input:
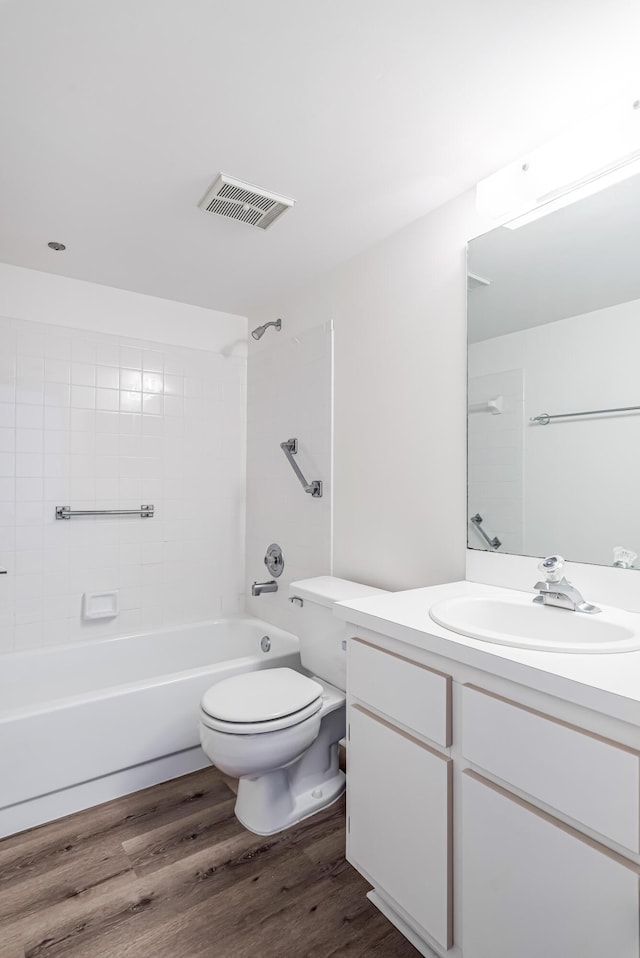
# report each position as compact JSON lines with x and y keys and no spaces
{"x":494,"y":543}
{"x":65,"y":512}
{"x":544,"y":418}
{"x":290,"y":448}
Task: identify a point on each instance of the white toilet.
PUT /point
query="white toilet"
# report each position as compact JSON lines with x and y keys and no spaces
{"x":277,"y":730}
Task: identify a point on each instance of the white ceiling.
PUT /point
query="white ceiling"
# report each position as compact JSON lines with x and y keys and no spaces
{"x":581,"y":258}
{"x":116,"y":116}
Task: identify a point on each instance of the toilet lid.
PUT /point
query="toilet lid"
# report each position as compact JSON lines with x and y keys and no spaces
{"x":260,"y":696}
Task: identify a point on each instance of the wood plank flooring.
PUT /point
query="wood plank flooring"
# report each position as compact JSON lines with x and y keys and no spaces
{"x":169,"y":873}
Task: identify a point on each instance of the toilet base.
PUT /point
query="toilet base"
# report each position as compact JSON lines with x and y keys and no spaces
{"x":273,"y":801}
{"x":266,"y":805}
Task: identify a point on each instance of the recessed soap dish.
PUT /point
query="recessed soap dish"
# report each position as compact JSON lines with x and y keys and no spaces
{"x":99,"y":605}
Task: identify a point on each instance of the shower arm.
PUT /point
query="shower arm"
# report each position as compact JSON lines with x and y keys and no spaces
{"x":290,"y":448}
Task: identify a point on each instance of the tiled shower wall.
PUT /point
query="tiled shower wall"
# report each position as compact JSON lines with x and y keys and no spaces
{"x":96,"y":421}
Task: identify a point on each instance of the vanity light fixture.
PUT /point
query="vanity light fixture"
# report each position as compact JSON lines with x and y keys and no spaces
{"x":602,"y":150}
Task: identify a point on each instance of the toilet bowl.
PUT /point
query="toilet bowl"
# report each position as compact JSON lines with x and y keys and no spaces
{"x":277,"y":731}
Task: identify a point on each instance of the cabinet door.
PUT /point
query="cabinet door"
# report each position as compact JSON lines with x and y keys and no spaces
{"x":399,"y":803}
{"x":534,"y":887}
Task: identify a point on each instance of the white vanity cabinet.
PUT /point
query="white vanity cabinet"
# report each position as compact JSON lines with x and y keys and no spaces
{"x":493,"y":822}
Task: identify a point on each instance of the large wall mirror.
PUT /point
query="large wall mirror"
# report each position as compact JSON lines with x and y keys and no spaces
{"x":554,"y":383}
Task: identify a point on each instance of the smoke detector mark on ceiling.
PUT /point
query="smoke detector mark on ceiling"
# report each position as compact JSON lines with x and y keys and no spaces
{"x":242,"y":201}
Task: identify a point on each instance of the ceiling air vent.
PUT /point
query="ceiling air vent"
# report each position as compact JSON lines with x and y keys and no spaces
{"x":244,"y":202}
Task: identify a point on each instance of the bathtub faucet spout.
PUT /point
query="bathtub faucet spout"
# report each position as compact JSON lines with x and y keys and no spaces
{"x":259,"y":587}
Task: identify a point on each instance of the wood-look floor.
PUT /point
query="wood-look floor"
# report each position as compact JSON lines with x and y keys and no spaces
{"x":169,"y":873}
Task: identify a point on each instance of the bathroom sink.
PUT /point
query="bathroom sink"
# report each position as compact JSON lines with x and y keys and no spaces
{"x":518,"y":622}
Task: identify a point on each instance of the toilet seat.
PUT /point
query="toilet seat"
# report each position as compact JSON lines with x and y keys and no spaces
{"x":262,"y":701}
{"x":256,"y":728}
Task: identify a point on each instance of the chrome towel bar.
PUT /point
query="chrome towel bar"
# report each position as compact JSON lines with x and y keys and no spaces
{"x":290,"y":448}
{"x":65,"y":512}
{"x":544,"y":418}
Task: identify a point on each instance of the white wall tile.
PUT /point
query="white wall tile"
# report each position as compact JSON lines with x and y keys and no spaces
{"x":57,"y":347}
{"x":29,"y":368}
{"x":29,"y":464}
{"x":83,"y":350}
{"x":108,"y":377}
{"x":7,"y":440}
{"x":83,"y":374}
{"x":57,"y":371}
{"x":29,"y":391}
{"x":152,"y":404}
{"x":83,"y":397}
{"x":56,"y":417}
{"x":88,"y":420}
{"x":7,"y":464}
{"x":131,"y":379}
{"x":56,"y":394}
{"x":29,"y":416}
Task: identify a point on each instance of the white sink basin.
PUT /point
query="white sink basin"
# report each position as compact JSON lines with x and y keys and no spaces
{"x":518,"y":622}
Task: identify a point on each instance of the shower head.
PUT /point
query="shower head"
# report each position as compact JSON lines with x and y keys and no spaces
{"x":259,"y":331}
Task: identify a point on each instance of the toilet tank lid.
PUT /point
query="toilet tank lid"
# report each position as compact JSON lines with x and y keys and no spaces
{"x":327,"y":590}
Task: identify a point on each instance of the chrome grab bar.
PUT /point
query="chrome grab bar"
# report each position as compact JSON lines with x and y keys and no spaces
{"x":65,"y":512}
{"x":290,"y":448}
{"x":494,"y":543}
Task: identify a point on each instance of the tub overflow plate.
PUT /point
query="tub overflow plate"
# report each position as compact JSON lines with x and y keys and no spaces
{"x":274,"y":560}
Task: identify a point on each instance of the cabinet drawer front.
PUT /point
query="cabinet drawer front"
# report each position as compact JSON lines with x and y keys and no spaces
{"x":399,"y":800}
{"x":406,"y":691}
{"x":533,"y":888}
{"x":588,"y":778}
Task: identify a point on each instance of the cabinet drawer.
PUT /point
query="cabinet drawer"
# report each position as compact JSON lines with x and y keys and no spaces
{"x":406,"y":691}
{"x":588,"y":778}
{"x":533,"y":887}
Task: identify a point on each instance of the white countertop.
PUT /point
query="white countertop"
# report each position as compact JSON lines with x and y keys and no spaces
{"x":606,"y":682}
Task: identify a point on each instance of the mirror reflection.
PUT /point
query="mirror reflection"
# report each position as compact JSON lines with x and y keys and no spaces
{"x":554,"y":383}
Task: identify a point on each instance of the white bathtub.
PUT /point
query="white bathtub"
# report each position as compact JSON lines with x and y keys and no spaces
{"x":81,"y":724}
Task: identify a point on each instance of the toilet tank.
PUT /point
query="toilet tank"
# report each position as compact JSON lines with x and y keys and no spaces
{"x":321,"y":635}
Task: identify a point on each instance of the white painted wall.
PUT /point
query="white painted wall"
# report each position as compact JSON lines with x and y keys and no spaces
{"x":399,"y":403}
{"x":290,"y":396}
{"x":102,"y":420}
{"x":581,"y":476}
{"x":400,"y":517}
{"x":59,"y":301}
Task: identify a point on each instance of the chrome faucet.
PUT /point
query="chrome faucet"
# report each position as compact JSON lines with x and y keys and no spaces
{"x":556,"y":591}
{"x":259,"y":587}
